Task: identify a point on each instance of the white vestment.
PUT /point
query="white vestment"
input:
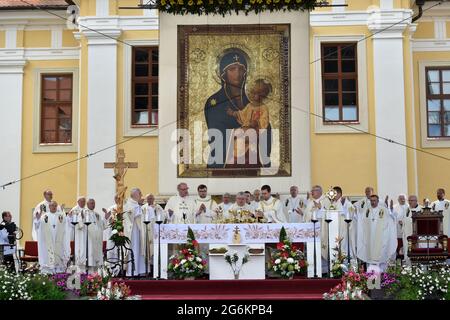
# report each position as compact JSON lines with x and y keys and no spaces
{"x":44,"y":204}
{"x":400,"y":211}
{"x":290,"y":204}
{"x":273,"y":210}
{"x":53,"y":242}
{"x":210,"y":214}
{"x":75,"y":211}
{"x":407,"y":228}
{"x":183,"y":210}
{"x":377,"y":236}
{"x":254,"y":205}
{"x":443,"y":205}
{"x":135,"y":216}
{"x":94,"y":241}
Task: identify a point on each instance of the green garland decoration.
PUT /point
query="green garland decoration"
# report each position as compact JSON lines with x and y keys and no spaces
{"x":224,"y":7}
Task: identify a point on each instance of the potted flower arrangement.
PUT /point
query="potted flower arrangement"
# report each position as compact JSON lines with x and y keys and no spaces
{"x":287,"y":260}
{"x":187,"y":263}
{"x":339,"y":267}
{"x":115,"y":291}
{"x":117,"y":233}
{"x":353,"y":286}
{"x":233,"y":260}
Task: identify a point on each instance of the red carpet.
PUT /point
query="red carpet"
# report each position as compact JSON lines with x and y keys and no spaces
{"x":296,"y":289}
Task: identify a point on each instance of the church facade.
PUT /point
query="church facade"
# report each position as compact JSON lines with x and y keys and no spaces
{"x":70,"y":94}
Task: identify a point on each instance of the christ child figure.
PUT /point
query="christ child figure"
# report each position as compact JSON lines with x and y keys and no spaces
{"x":255,"y":114}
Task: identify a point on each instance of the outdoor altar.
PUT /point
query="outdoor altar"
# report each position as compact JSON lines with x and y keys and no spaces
{"x":246,"y":240}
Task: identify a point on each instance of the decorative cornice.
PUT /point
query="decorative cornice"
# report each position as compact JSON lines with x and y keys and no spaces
{"x":385,"y":24}
{"x":12,"y":66}
{"x":9,"y":56}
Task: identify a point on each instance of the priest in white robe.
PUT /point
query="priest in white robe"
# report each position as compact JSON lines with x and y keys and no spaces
{"x":442,"y":204}
{"x":294,"y":206}
{"x":81,"y":205}
{"x":224,"y":206}
{"x":315,"y":204}
{"x":400,"y":209}
{"x":205,"y":206}
{"x":53,"y":240}
{"x":180,"y":208}
{"x":255,"y":199}
{"x":270,"y":208}
{"x":41,"y":208}
{"x":405,"y":221}
{"x":94,"y":236}
{"x":136,"y":217}
{"x":377,"y":234}
{"x":361,"y":205}
{"x":240,"y":205}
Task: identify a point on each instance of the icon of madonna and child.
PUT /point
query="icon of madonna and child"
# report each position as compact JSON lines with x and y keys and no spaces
{"x":241,"y":119}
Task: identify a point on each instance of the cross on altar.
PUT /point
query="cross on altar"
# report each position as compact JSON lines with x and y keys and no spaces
{"x":120,"y":169}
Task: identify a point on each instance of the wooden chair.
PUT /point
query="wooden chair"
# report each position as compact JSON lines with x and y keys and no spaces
{"x":29,"y":254}
{"x":427,"y":242}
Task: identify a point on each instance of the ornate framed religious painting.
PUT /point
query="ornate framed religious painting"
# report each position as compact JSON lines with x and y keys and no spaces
{"x":233,"y":109}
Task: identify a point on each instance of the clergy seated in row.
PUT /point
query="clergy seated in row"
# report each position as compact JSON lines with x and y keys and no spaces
{"x":53,"y":238}
{"x":90,"y":227}
{"x":377,"y":234}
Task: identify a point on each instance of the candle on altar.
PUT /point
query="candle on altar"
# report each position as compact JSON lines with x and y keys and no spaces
{"x":314,"y":216}
{"x":158,"y":216}
{"x":87,"y":219}
{"x":347,"y":215}
{"x":75,"y":218}
{"x":146,"y":216}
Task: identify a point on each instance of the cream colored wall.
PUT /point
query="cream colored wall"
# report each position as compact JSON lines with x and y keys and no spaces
{"x":345,"y":159}
{"x":63,"y":180}
{"x":448,"y":29}
{"x":114,"y":6}
{"x":68,"y":39}
{"x":425,"y":30}
{"x":432,"y":171}
{"x":37,"y":39}
{"x":2,"y":39}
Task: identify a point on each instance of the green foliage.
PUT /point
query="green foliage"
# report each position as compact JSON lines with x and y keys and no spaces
{"x":223,"y":7}
{"x":190,"y":235}
{"x":283,"y":235}
{"x":41,"y":287}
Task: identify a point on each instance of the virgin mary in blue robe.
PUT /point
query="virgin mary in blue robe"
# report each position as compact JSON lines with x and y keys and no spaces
{"x":230,"y":96}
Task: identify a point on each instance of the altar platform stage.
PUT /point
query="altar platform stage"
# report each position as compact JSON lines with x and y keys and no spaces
{"x":270,"y":289}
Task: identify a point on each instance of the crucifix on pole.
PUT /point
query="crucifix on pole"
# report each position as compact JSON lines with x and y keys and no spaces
{"x":120,"y":169}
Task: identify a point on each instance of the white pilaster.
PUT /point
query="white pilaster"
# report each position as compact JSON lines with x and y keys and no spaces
{"x":11,"y":91}
{"x":101,"y":113}
{"x":102,"y":8}
{"x":389,"y":100}
{"x":338,"y":9}
{"x":386,"y":4}
{"x":57,"y":37}
{"x":11,"y":38}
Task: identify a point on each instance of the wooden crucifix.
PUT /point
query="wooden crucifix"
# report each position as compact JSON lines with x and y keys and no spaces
{"x":120,"y":169}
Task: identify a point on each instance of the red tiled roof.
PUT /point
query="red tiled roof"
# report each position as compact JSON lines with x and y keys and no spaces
{"x":28,"y":4}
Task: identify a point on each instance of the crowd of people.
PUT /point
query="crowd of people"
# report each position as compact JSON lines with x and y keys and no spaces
{"x":376,"y":232}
